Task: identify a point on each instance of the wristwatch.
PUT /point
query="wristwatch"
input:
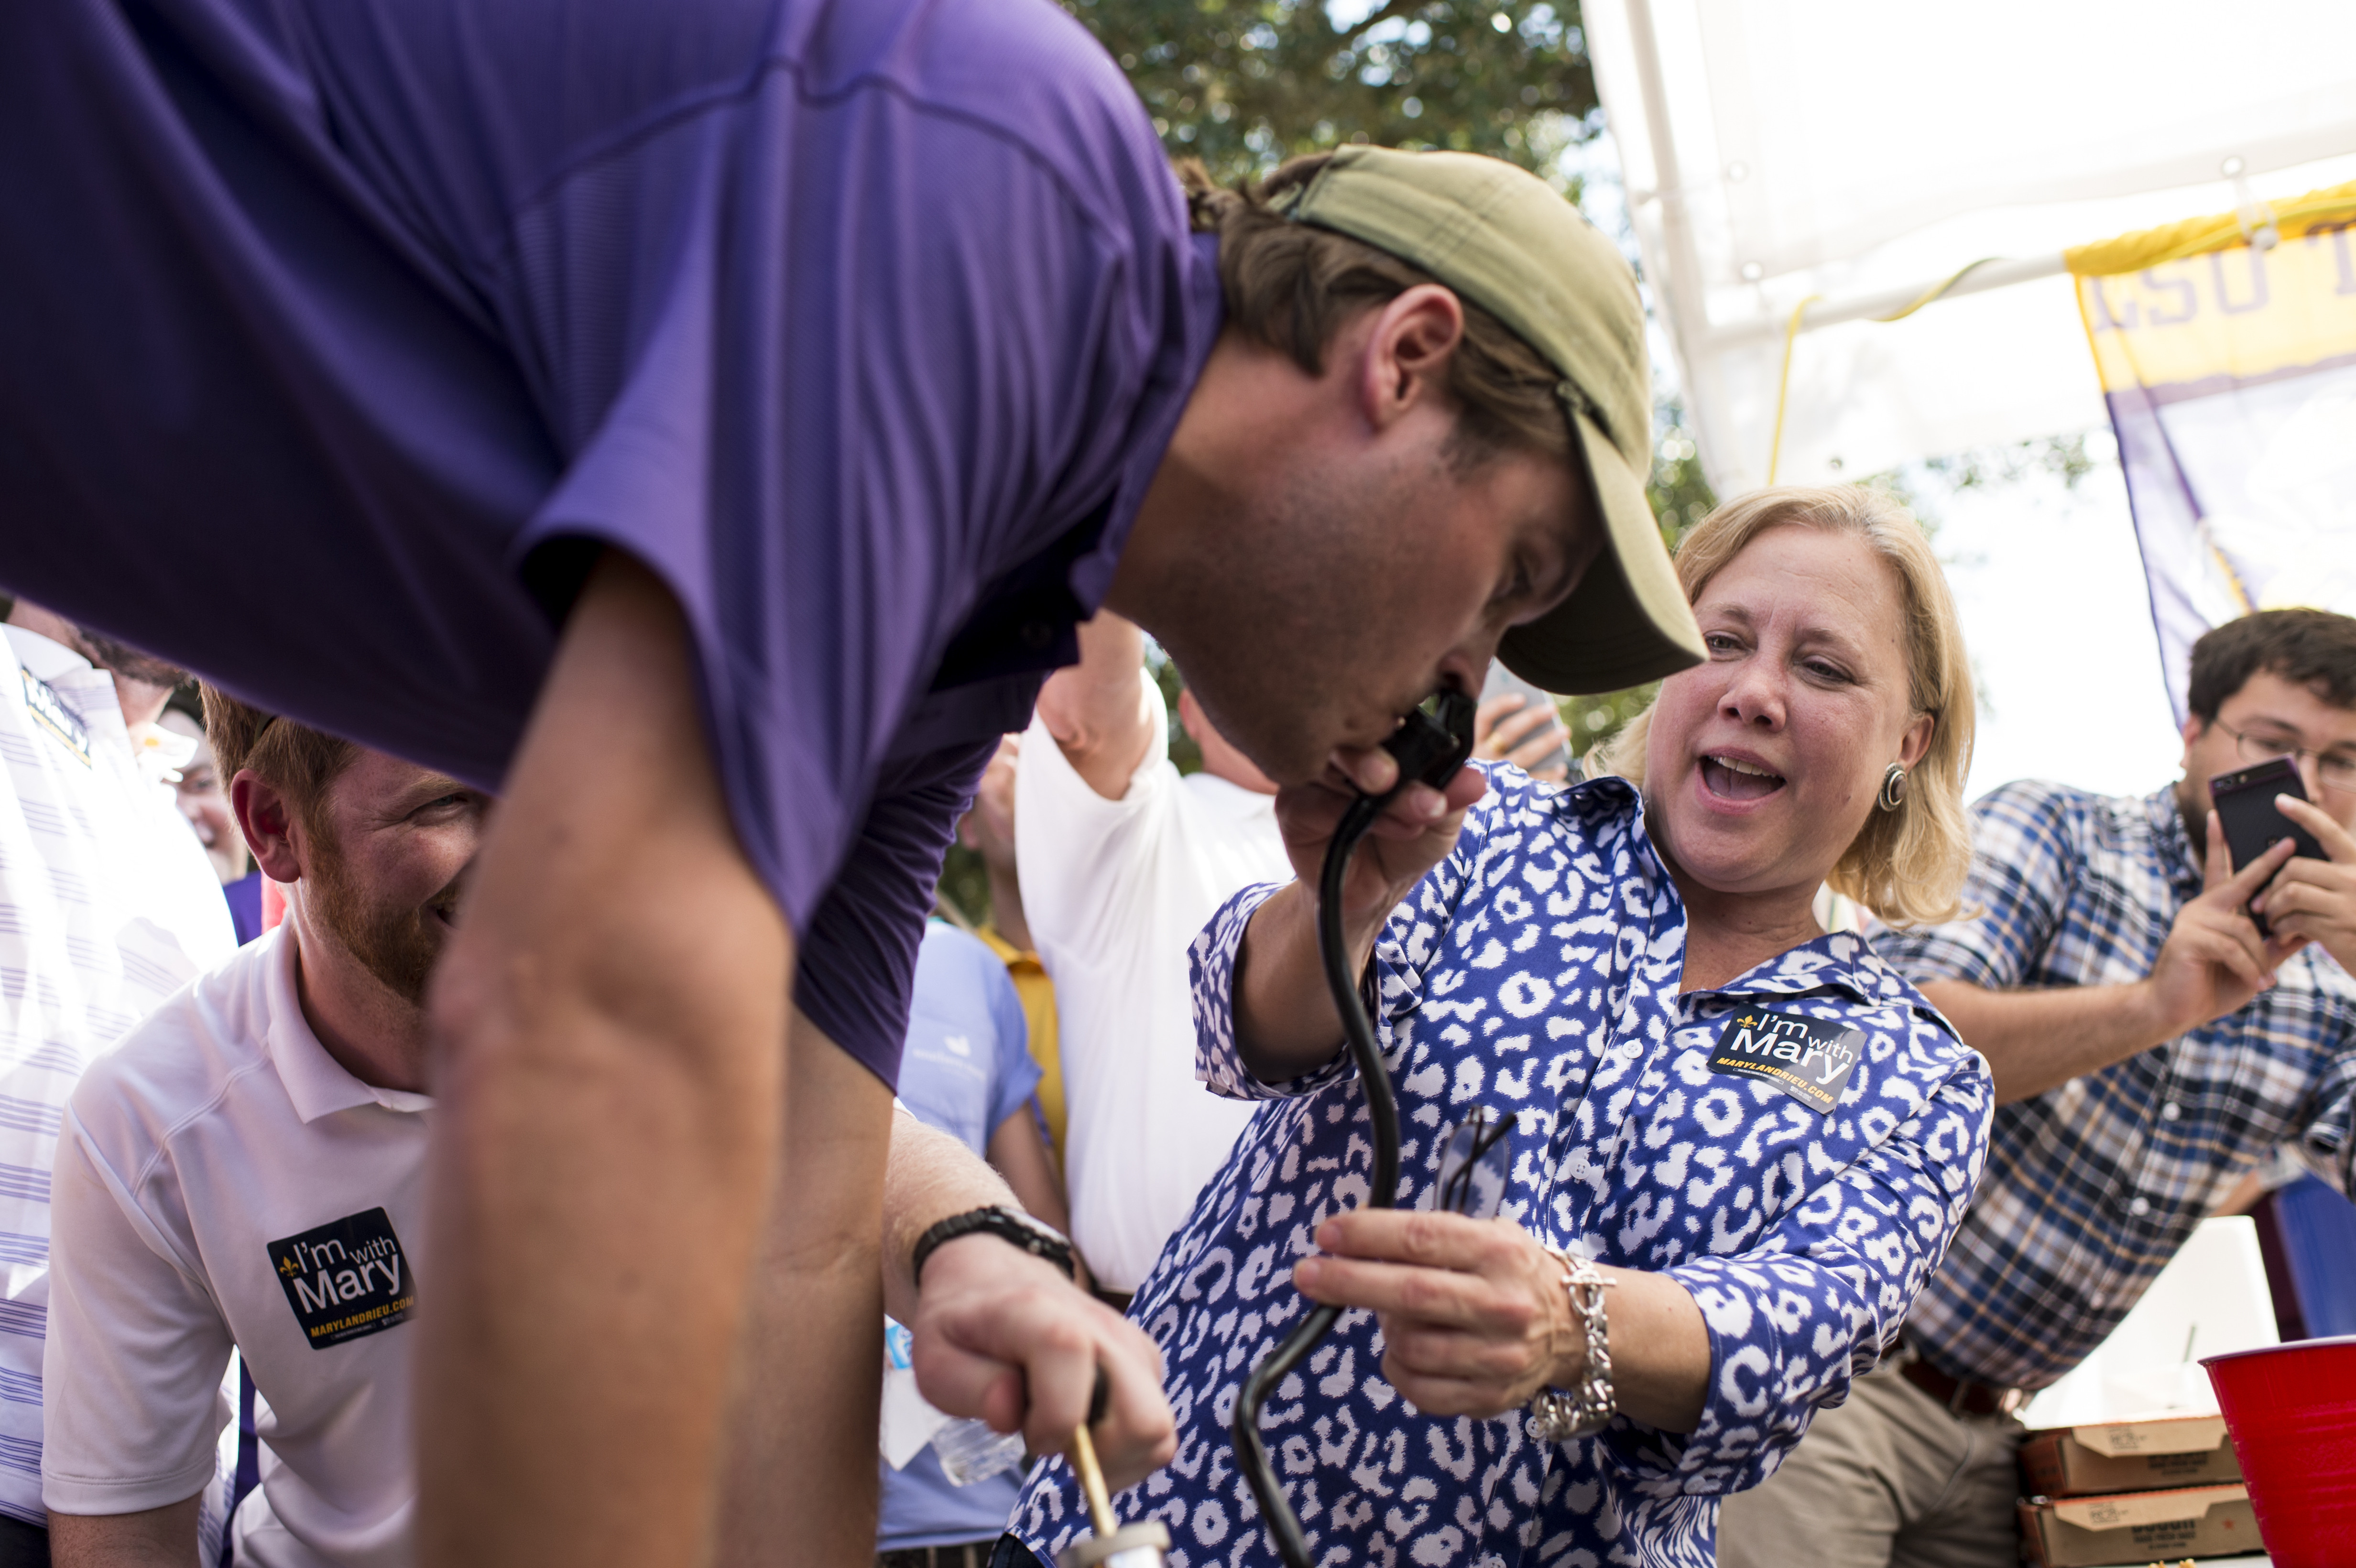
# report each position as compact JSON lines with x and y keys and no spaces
{"x":1008,"y":1225}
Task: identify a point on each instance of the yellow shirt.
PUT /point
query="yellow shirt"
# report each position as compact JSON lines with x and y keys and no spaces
{"x":1038,"y":993}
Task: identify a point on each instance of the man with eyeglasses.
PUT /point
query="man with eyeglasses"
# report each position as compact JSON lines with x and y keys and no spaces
{"x":2150,"y":1047}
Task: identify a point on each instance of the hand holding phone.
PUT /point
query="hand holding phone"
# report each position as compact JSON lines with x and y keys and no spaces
{"x":1526,"y":732}
{"x":2244,"y":803}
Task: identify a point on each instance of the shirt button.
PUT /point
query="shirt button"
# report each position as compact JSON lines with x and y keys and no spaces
{"x":2095,"y":1301}
{"x":2139,"y":1207}
{"x":2170,"y":1111}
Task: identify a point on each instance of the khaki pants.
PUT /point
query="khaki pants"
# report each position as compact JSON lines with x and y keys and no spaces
{"x":1886,"y":1480}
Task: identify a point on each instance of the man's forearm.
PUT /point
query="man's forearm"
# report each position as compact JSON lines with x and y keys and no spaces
{"x":1097,"y":709}
{"x":157,"y":1538}
{"x":1018,"y":1153}
{"x":799,"y":1488}
{"x":928,"y":1176}
{"x":2036,"y":1040}
{"x":609,"y":1087}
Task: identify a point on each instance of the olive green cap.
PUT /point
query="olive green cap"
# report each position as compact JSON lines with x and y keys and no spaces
{"x":1499,"y":237}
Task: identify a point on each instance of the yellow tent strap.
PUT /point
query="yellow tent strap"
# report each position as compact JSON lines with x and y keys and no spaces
{"x":1784,"y":382}
{"x":1791,"y":334}
{"x":2197,"y":236}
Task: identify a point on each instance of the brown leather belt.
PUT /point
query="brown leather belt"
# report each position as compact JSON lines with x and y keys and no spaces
{"x":1962,"y":1396}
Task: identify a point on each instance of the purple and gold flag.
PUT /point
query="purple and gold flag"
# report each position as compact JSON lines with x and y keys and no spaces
{"x":2227,"y":352}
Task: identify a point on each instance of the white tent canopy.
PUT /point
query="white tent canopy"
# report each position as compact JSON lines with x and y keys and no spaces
{"x":1858,"y":152}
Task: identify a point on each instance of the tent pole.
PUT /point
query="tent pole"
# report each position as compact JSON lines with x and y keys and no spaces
{"x":1682,"y":303}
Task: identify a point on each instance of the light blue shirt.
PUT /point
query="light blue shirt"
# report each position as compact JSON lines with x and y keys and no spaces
{"x":965,"y":1069}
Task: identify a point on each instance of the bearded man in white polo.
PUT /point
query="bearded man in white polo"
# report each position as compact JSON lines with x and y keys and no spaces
{"x":247,"y":1169}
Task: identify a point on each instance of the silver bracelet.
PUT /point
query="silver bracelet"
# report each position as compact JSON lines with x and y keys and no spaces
{"x":1557,"y":1415}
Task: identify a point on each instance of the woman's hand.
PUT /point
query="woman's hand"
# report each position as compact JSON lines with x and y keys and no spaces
{"x":1414,"y":833}
{"x":1475,"y":1316}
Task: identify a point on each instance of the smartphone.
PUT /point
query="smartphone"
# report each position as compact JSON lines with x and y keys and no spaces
{"x":2244,"y":802}
{"x":1502,"y":681}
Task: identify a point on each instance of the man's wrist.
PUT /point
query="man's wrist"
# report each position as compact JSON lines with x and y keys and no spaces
{"x":2148,"y":1014}
{"x":1007,"y":1224}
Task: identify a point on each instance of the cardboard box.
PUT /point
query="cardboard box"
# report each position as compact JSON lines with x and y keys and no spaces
{"x":2129,"y":1457}
{"x":2138,"y":1528}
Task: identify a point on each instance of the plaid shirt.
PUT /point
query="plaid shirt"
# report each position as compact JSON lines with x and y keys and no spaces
{"x":2091,"y":1187}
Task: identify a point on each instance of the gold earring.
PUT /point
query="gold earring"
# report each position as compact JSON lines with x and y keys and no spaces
{"x":1893,"y":788}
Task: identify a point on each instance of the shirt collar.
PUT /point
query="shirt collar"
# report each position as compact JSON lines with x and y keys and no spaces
{"x":47,"y":659}
{"x":1838,"y":960}
{"x":2173,"y":845}
{"x":1008,"y":954}
{"x":316,"y":1082}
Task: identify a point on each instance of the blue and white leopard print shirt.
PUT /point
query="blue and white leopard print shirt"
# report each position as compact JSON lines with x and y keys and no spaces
{"x":1536,"y":971}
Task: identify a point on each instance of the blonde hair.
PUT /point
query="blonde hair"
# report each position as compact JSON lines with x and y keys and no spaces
{"x":1906,"y":866}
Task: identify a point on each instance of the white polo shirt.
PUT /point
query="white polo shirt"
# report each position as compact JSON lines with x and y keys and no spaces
{"x":107,"y":906}
{"x":222,"y":1180}
{"x":1116,"y":891}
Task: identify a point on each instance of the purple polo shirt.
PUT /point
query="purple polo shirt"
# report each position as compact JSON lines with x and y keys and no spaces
{"x":337,"y":337}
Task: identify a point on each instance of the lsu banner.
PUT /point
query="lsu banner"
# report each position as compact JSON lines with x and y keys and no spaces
{"x":2227,"y":352}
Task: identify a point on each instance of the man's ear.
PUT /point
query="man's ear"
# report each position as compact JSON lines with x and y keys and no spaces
{"x":2194,"y":728}
{"x":1403,"y":362}
{"x":267,"y":820}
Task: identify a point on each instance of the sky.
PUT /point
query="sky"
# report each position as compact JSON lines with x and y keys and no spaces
{"x":2050,"y":589}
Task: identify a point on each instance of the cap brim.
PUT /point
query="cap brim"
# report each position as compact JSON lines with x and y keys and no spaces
{"x":1627,"y":622}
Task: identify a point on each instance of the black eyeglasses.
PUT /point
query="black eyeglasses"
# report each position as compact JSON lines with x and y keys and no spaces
{"x":1476,"y":1167}
{"x":2335,"y":769}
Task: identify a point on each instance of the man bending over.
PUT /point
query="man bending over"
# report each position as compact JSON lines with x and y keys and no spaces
{"x":703,"y":423}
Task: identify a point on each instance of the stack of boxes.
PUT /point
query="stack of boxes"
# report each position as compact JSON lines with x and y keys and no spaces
{"x":2133,"y":1492}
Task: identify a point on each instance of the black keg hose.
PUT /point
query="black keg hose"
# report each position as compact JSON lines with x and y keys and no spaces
{"x":1430,"y":745}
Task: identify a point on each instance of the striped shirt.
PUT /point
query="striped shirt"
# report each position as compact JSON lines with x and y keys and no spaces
{"x":107,"y":906}
{"x":2091,"y":1187}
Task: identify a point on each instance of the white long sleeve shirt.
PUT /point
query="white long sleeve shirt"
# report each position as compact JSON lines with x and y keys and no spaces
{"x":1115,"y":892}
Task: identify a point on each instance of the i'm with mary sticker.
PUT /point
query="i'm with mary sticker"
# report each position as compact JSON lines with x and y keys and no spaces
{"x":1808,"y":1059}
{"x":346,"y":1279}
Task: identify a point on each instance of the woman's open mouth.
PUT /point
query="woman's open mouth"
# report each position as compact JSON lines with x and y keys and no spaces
{"x":1733,"y":778}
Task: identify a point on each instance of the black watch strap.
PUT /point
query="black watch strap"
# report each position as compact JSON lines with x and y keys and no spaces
{"x":1009,"y":1226}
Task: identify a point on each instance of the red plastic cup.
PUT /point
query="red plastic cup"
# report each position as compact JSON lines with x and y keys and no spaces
{"x":2292,"y":1411}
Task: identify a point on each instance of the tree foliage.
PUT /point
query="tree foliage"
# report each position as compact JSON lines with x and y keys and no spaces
{"x":1244,"y":84}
